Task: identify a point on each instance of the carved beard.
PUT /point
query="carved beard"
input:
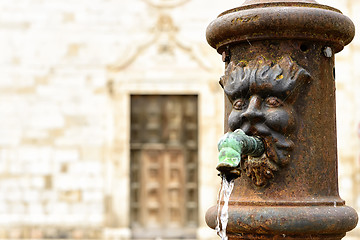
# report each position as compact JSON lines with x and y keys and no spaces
{"x":277,"y":153}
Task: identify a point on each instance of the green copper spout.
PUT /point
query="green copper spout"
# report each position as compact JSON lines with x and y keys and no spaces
{"x":232,"y":146}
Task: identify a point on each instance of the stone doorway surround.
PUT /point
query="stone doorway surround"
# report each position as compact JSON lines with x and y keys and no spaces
{"x":164,"y":65}
{"x":210,"y":128}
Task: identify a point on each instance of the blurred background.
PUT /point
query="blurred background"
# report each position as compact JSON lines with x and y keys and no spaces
{"x":91,"y":88}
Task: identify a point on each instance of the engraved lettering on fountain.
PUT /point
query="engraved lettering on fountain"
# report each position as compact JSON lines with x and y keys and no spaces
{"x":247,"y":18}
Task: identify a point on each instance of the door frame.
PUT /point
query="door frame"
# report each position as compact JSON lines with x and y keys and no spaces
{"x":210,"y":128}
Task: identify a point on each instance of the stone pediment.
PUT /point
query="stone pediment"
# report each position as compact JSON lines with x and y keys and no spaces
{"x":163,"y":49}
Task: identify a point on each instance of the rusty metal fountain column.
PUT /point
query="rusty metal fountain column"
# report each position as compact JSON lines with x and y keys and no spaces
{"x":279,"y":84}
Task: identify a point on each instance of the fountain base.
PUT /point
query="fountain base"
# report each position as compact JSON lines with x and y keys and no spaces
{"x":287,"y":222}
{"x":283,"y":236}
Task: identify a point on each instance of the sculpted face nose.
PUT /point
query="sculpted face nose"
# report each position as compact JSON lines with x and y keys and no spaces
{"x":253,"y":113}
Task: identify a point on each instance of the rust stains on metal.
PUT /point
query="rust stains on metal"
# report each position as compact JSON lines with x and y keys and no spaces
{"x":245,"y":18}
{"x":279,"y":85}
{"x":281,"y":20}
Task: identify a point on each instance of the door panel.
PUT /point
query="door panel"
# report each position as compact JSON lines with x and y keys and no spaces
{"x":164,"y":199}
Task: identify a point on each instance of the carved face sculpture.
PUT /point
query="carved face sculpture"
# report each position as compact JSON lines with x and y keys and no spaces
{"x":262,"y":95}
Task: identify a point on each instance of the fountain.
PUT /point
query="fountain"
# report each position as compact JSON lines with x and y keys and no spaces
{"x":280,"y":146}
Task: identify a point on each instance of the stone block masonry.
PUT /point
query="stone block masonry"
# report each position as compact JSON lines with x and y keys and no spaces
{"x":63,"y":155}
{"x":54,"y":112}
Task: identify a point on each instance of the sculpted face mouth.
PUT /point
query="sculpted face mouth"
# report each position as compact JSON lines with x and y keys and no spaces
{"x":275,"y":142}
{"x":263,"y":94}
{"x":257,"y":129}
{"x":271,"y":123}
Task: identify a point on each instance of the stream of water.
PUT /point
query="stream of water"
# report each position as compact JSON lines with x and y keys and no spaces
{"x":223,"y":213}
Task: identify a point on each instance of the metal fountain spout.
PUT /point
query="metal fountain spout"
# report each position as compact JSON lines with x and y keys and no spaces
{"x":232,"y":147}
{"x":280,"y":149}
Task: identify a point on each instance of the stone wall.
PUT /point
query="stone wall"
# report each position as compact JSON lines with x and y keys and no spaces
{"x":67,"y":68}
{"x":56,"y":117}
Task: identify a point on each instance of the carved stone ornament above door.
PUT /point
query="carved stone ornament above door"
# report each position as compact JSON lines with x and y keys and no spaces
{"x":164,"y":37}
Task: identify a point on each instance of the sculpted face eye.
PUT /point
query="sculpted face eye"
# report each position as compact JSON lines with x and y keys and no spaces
{"x":239,"y":104}
{"x":273,"y":102}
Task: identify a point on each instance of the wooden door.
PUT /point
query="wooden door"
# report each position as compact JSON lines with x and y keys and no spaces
{"x":164,"y":197}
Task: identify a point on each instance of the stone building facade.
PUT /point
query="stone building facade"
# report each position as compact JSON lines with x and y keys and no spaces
{"x":70,"y":72}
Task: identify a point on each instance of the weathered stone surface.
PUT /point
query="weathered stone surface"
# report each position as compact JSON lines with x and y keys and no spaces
{"x":64,"y":109}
